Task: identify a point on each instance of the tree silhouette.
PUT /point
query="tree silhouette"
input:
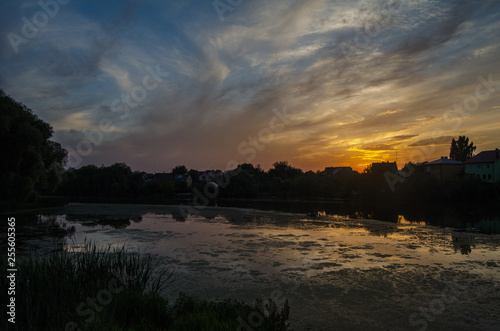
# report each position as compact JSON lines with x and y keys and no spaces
{"x":282,"y":169}
{"x":31,"y":163}
{"x":461,"y":150}
{"x":179,"y":170}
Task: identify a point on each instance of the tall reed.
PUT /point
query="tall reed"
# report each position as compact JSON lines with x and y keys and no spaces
{"x":51,"y":287}
{"x":78,"y":290}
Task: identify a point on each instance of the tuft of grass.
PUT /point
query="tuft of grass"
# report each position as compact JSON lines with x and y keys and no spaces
{"x":53,"y":289}
{"x":191,"y":313}
{"x":112,"y":289}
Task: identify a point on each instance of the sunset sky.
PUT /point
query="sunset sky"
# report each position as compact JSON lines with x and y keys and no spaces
{"x":208,"y":83}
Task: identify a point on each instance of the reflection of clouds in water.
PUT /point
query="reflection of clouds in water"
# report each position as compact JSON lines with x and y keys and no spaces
{"x":325,"y":266}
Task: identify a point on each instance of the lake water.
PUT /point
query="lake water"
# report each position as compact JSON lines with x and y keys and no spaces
{"x":337,"y":273}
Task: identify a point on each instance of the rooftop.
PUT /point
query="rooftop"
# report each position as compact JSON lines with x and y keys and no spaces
{"x":444,"y":160}
{"x":485,"y":157}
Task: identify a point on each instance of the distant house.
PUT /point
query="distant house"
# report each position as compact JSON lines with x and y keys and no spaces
{"x":382,"y":167}
{"x":146,"y":177}
{"x":161,"y":176}
{"x":337,"y":171}
{"x":485,"y":165}
{"x":180,"y":177}
{"x":209,"y":176}
{"x":444,"y":169}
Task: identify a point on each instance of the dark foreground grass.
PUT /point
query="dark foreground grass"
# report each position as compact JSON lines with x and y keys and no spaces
{"x":14,"y":206}
{"x":110,"y":289}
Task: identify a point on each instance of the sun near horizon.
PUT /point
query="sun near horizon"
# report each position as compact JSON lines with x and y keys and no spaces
{"x":318,"y":83}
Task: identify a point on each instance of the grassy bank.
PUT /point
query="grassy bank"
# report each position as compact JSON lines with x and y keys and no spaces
{"x":110,"y":289}
{"x":15,"y":206}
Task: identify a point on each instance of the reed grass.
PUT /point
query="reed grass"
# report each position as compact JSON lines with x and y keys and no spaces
{"x":52,"y":291}
{"x":51,"y":287}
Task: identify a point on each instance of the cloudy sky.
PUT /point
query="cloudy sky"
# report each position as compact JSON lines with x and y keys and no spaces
{"x":210,"y":84}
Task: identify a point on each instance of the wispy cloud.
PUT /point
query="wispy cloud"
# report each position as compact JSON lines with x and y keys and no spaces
{"x":433,"y":141}
{"x":226,"y":77}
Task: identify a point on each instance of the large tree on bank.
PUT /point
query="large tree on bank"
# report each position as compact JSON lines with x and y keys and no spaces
{"x":31,"y":163}
{"x":461,"y":150}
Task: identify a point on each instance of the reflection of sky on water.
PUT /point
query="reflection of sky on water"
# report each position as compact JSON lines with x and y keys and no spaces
{"x":252,"y":250}
{"x":320,"y":262}
{"x":403,"y":220}
{"x":485,"y":218}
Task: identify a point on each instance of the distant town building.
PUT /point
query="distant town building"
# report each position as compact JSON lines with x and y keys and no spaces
{"x":146,"y":177}
{"x":337,"y":171}
{"x":161,"y":176}
{"x":183,"y":178}
{"x":210,"y":176}
{"x":382,"y":167}
{"x":444,"y":169}
{"x":485,"y":165}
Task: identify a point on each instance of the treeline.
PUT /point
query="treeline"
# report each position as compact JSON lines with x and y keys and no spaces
{"x":30,"y":161}
{"x":117,"y":181}
{"x":286,"y":181}
{"x":370,"y":186}
{"x":33,"y":165}
{"x":120,"y":183}
{"x":428,"y":189}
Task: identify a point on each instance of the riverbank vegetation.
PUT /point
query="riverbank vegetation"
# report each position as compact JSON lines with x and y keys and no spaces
{"x":118,"y":183}
{"x":112,"y":289}
{"x":31,"y":161}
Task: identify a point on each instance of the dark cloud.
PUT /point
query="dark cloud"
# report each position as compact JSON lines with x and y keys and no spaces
{"x":433,"y":141}
{"x":439,"y":29}
{"x":84,"y":59}
{"x":404,"y":137}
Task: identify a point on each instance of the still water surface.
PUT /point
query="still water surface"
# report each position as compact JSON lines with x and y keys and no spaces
{"x":337,"y":273}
